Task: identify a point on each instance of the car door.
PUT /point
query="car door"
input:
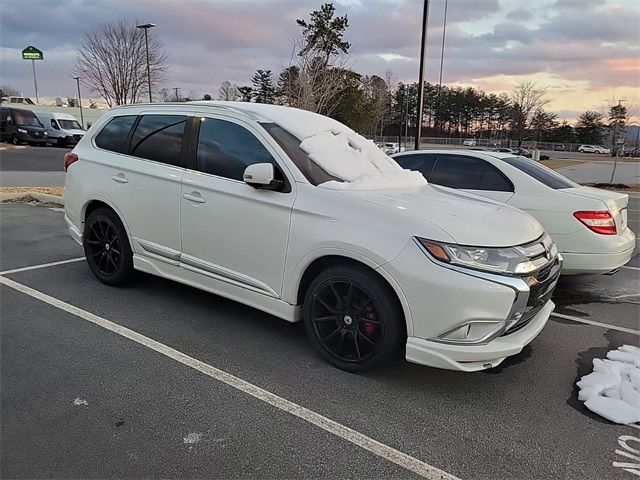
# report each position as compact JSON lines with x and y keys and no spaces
{"x":473,"y":175}
{"x":144,"y":171}
{"x":231,"y":231}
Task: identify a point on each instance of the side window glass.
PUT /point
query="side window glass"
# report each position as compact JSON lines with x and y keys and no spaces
{"x":159,"y":138}
{"x":114,"y":134}
{"x":494,"y":180}
{"x":457,"y":171}
{"x":422,"y":163}
{"x":226,"y":149}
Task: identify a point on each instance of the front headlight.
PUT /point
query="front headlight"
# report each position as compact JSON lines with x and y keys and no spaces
{"x":22,"y":130}
{"x":509,"y":260}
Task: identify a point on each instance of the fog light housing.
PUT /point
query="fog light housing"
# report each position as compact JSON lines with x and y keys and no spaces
{"x":476,"y":331}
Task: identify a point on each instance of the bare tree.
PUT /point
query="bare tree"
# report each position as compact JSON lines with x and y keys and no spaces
{"x":112,"y":62}
{"x":526,"y":98}
{"x":8,"y":91}
{"x":228,"y":91}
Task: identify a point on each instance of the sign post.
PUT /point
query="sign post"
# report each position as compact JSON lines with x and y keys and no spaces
{"x":33,"y":54}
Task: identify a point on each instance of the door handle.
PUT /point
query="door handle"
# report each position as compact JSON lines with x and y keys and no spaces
{"x":120,"y":178}
{"x":193,"y":197}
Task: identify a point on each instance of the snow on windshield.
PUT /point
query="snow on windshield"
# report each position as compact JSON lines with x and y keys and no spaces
{"x":340,"y":151}
{"x":612,"y":390}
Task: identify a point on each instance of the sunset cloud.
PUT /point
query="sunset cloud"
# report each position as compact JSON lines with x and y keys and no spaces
{"x":586,"y":49}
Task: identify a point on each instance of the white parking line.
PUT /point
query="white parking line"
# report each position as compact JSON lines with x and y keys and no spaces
{"x":42,"y":265}
{"x":596,"y":324}
{"x":630,"y":268}
{"x":380,"y":449}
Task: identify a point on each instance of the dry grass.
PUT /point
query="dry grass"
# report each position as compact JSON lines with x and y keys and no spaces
{"x":49,"y":190}
{"x":557,"y":164}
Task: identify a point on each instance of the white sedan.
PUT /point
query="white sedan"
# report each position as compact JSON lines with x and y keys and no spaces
{"x":589,"y":225}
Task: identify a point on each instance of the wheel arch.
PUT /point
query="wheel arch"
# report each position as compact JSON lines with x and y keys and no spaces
{"x":96,"y":203}
{"x":323,"y":262}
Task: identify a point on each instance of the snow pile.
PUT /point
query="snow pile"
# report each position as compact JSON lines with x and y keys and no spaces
{"x":337,"y":149}
{"x":356,"y":160}
{"x":612,"y":390}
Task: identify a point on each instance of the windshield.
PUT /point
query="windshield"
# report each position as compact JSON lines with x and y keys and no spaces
{"x":541,"y":173}
{"x":291,"y":145}
{"x":26,"y":118}
{"x":69,"y":124}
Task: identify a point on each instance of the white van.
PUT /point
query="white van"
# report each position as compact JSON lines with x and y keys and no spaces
{"x":62,"y":128}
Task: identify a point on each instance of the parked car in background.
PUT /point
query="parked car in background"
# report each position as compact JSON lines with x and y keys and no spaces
{"x":391,"y":148}
{"x":469,"y":142}
{"x":635,"y":152}
{"x":559,"y":148}
{"x":507,"y":150}
{"x":593,"y":149}
{"x":62,"y":128}
{"x":21,"y":126}
{"x":523,"y":152}
{"x":281,"y":209}
{"x":589,"y":225}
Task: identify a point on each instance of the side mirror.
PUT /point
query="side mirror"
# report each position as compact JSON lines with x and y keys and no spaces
{"x":261,"y":175}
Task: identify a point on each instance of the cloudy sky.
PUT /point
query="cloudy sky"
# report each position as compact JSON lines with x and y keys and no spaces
{"x":587,"y":52}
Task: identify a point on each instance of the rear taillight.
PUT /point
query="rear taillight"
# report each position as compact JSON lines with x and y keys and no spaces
{"x":599,"y":221}
{"x":69,"y":158}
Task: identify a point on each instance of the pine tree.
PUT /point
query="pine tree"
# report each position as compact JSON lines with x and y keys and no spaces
{"x":263,"y":89}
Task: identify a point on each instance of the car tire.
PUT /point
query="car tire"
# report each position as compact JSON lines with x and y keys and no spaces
{"x":353,"y":318}
{"x":15,"y":140}
{"x":580,"y":150}
{"x":107,"y":248}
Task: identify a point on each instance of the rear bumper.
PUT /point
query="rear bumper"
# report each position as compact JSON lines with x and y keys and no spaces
{"x":74,"y":231}
{"x":594,"y":263}
{"x":611,"y":254}
{"x":471,"y":358}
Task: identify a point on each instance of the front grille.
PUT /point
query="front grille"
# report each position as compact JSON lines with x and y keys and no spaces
{"x":35,"y":134}
{"x":542,"y":284}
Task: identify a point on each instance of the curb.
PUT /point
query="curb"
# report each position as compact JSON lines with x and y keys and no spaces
{"x":41,"y":197}
{"x":16,"y":147}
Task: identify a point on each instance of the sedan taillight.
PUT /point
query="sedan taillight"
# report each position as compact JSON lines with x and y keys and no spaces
{"x":598,"y":221}
{"x":69,"y":158}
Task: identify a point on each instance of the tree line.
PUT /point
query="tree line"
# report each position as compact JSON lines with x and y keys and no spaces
{"x":319,"y":77}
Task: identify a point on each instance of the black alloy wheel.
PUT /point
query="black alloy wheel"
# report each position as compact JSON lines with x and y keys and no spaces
{"x":107,"y":248}
{"x":15,"y":140}
{"x":353,"y":318}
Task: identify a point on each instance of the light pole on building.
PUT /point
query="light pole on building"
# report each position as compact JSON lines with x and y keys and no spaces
{"x":77,"y":79}
{"x":425,"y":16}
{"x":146,"y":27}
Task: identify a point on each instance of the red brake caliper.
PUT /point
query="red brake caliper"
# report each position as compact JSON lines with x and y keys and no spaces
{"x":369,"y":314}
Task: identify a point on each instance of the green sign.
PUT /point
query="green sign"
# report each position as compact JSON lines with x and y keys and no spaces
{"x":32,"y":53}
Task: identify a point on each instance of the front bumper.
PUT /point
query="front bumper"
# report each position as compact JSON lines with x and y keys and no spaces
{"x":501,"y":313}
{"x":471,"y":358}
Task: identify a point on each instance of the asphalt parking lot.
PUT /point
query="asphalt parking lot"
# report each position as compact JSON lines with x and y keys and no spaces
{"x":157,"y":379}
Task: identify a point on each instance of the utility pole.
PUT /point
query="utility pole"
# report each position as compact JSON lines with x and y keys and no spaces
{"x":35,"y":82}
{"x":77,"y":79}
{"x":177,"y":89}
{"x":425,"y":16}
{"x":444,"y":32}
{"x":146,"y":27}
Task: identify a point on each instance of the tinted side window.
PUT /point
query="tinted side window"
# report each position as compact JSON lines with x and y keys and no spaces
{"x":225,"y":149}
{"x":494,"y":180}
{"x":114,"y":134}
{"x":420,"y":162}
{"x":456,"y":171}
{"x":159,"y":138}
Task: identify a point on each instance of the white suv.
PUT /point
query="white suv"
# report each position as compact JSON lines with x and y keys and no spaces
{"x":297,"y":215}
{"x":593,"y":149}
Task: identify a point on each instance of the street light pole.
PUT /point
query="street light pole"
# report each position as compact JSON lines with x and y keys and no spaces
{"x":35,"y":82}
{"x":146,"y":27}
{"x":425,"y":16}
{"x":77,"y":79}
